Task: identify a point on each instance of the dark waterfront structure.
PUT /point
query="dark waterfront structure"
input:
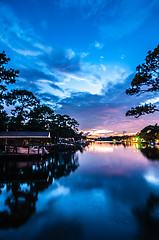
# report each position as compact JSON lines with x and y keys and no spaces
{"x":24,"y":142}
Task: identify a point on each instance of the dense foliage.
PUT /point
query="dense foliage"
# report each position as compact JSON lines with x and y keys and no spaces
{"x":7,"y":76}
{"x":150,"y":133}
{"x":27,"y":114}
{"x":146,"y":80}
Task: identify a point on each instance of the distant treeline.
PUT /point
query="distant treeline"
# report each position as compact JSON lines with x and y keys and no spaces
{"x":149,"y":134}
{"x":116,"y":138}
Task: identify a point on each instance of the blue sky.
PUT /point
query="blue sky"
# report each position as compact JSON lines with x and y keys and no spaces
{"x":80,"y":56}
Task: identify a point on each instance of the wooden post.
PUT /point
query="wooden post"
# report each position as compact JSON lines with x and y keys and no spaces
{"x":43,"y":146}
{"x":28,"y":145}
{"x":6,"y":144}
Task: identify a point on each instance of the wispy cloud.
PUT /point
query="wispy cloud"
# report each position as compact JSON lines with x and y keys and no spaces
{"x":152,"y":100}
{"x":18,"y":35}
{"x":114,"y":18}
{"x":27,"y":52}
{"x":98,"y":45}
{"x":125,"y":18}
{"x":87,"y":7}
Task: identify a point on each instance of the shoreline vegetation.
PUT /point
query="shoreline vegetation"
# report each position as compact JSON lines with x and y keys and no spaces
{"x":148,"y":135}
{"x":26,"y":112}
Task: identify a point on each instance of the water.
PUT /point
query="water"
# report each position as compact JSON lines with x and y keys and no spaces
{"x":105,"y":192}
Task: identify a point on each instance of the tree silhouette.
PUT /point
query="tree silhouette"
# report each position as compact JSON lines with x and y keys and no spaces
{"x":150,"y":133}
{"x":7,"y":76}
{"x":28,"y":114}
{"x":3,"y":120}
{"x":22,"y":98}
{"x":25,"y":101}
{"x":40,"y":118}
{"x":146,"y":80}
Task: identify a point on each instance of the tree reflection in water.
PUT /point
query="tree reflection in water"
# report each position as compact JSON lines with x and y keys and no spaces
{"x":21,"y":181}
{"x":148,"y":218}
{"x":148,"y":215}
{"x":152,"y":153}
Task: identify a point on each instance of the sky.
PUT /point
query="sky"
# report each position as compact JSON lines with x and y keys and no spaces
{"x":79,"y":56}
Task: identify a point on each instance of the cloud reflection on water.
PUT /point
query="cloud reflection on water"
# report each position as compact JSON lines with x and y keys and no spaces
{"x":106,"y":198}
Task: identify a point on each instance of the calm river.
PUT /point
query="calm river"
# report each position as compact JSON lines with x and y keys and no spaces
{"x":105,"y":192}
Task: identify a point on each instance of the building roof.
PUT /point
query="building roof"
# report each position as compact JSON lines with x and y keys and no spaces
{"x":25,"y":135}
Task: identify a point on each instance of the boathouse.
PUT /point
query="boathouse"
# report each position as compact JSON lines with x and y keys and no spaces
{"x":18,"y":140}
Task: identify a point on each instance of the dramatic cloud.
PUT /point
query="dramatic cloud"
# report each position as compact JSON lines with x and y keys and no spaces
{"x":35,"y":74}
{"x":107,"y":109}
{"x":80,"y":56}
{"x":63,"y":60}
